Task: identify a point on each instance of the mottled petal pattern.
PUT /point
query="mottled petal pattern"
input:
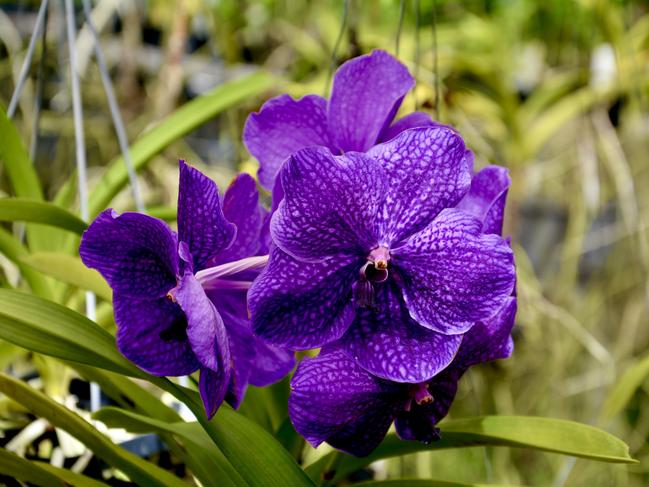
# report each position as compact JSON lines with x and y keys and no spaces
{"x":427,"y":171}
{"x":367,"y":92}
{"x":241,"y":207}
{"x":486,"y":198}
{"x":153,"y":335}
{"x":489,"y":339}
{"x":240,"y":340}
{"x":136,"y":254}
{"x":414,"y":120}
{"x":301,"y":306}
{"x":452,"y":275}
{"x":388,"y":343}
{"x":282,"y":127}
{"x":330,"y":393}
{"x":201,"y":223}
{"x":330,"y":205}
{"x":205,"y":329}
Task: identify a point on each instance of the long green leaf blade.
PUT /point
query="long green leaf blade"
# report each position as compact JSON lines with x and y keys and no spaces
{"x":69,"y":269}
{"x":29,"y":210}
{"x":203,"y":457}
{"x":546,"y":434}
{"x":179,"y":123}
{"x":140,"y":471}
{"x":46,"y":327}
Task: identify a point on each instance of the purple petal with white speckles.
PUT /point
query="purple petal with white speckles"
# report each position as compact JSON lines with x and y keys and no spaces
{"x":330,"y":204}
{"x":367,"y":92}
{"x":332,"y":398}
{"x":453,"y":275}
{"x":152,"y":334}
{"x":200,"y":219}
{"x":414,"y":120}
{"x":427,"y":171}
{"x":388,"y":343}
{"x":136,"y":254}
{"x":299,"y":305}
{"x":486,"y":198}
{"x":241,"y":207}
{"x":283,"y":126}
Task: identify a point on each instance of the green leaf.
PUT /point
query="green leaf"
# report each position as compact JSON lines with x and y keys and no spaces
{"x":128,"y":394}
{"x":51,"y":329}
{"x":69,"y":269}
{"x":15,"y":252}
{"x":625,"y":387}
{"x":17,"y":163}
{"x":421,"y":483}
{"x":21,"y":469}
{"x":202,"y":456}
{"x":178,"y":124}
{"x":139,"y":470}
{"x":28,"y":210}
{"x":166,"y":213}
{"x":41,"y":473}
{"x":258,"y":457}
{"x":547,"y":434}
{"x":46,"y":327}
{"x":22,"y":175}
{"x":70,"y":478}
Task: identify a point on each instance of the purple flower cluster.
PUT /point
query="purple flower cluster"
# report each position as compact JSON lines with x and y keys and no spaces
{"x":385,"y":252}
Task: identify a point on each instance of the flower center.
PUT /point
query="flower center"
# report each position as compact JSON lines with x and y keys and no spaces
{"x":374,"y":271}
{"x":421,"y":394}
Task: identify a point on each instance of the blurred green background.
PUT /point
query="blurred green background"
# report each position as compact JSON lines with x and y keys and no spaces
{"x":557,"y":91}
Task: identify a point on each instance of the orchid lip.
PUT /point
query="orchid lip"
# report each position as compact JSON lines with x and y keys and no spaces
{"x":421,"y":394}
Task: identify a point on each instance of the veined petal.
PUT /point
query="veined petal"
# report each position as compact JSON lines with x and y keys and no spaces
{"x":201,"y":223}
{"x":241,"y":207}
{"x":414,"y":120}
{"x":388,"y":343}
{"x":243,"y":354}
{"x":299,"y":305}
{"x":282,"y":127}
{"x":212,"y":387}
{"x":136,"y":254}
{"x":153,"y":335}
{"x":208,"y":338}
{"x":367,"y":92}
{"x":486,"y":198}
{"x":453,"y":275}
{"x":427,"y":170}
{"x":330,"y":205}
{"x":489,"y":339}
{"x":419,"y":422}
{"x":334,"y":400}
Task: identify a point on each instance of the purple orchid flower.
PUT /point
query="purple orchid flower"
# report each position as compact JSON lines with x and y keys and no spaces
{"x":371,"y":251}
{"x":335,"y":400}
{"x":367,"y":92}
{"x":177,"y":297}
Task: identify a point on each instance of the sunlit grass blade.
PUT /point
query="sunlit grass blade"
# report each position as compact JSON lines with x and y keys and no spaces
{"x":625,"y":387}
{"x":423,"y":483}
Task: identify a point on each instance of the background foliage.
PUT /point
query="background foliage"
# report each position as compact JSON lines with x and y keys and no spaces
{"x":557,"y":91}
